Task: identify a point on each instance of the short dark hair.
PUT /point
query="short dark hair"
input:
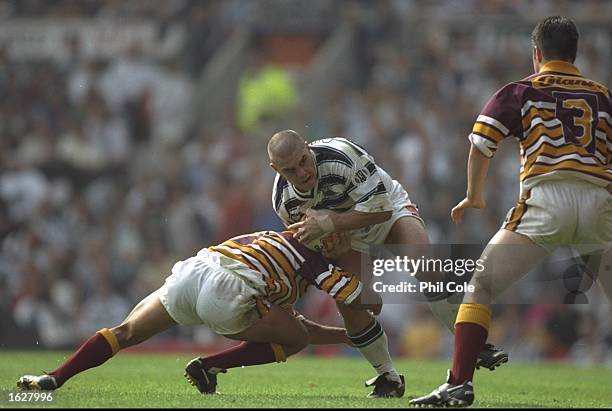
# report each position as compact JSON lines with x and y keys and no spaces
{"x":557,"y":37}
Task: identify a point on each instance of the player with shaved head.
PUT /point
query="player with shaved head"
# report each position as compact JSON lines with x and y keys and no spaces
{"x":334,"y":185}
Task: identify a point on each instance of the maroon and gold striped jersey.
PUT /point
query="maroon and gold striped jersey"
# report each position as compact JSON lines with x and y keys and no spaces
{"x":563,"y":122}
{"x":284,"y":268}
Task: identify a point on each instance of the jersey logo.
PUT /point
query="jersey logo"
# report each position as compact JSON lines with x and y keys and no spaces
{"x":295,"y":216}
{"x":333,"y":190}
{"x":360,"y":176}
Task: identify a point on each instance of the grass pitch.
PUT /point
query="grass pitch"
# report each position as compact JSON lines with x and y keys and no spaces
{"x":139,"y":380}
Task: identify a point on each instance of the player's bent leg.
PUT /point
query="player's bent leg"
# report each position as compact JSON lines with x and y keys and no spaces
{"x":277,"y":335}
{"x":354,"y":319}
{"x":408,"y":237}
{"x":407,"y":230}
{"x":148,"y":318}
{"x":506,"y":259}
{"x":278,"y":326}
{"x":368,"y":336}
{"x":410,"y":231}
{"x":410,"y":234}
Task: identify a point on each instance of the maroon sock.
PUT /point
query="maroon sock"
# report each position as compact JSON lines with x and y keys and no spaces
{"x":95,"y":351}
{"x":247,"y":353}
{"x":470,"y":338}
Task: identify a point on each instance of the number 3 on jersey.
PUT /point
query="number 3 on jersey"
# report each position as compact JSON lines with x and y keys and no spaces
{"x":579,"y":114}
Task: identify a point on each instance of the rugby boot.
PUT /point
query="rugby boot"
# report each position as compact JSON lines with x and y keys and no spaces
{"x":203,"y":378}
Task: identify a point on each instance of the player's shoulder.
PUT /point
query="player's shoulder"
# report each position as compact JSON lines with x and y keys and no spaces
{"x":299,"y":250}
{"x":329,"y":142}
{"x":248,"y":238}
{"x":514,"y":88}
{"x":342,"y":143}
{"x":509,"y":97}
{"x":338,"y":148}
{"x":603,"y":89}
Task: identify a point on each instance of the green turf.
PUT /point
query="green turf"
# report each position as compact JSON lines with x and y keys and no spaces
{"x":135,"y":380}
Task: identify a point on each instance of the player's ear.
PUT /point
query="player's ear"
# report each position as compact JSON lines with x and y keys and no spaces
{"x":274,"y":167}
{"x":538,"y":54}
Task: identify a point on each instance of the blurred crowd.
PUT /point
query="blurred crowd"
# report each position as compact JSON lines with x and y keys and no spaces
{"x":104,"y":183}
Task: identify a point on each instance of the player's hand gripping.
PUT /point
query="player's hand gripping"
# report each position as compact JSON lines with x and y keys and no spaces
{"x":457,"y":211}
{"x":315,"y":224}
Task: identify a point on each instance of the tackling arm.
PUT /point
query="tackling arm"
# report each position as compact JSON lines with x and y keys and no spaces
{"x":351,"y":220}
{"x":322,"y":334}
{"x":318,"y":223}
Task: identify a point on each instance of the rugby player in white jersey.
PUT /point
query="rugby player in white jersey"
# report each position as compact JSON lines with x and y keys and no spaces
{"x":338,"y":175}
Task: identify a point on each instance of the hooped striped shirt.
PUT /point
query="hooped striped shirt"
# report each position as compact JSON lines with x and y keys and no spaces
{"x":284,"y":268}
{"x":563,"y":122}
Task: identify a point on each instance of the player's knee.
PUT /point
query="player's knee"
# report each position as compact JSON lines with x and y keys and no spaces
{"x":408,"y":230}
{"x":481,"y":291}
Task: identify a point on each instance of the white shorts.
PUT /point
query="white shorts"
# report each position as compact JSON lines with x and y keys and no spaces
{"x":564,"y":213}
{"x":200,"y":291}
{"x":373,"y":235}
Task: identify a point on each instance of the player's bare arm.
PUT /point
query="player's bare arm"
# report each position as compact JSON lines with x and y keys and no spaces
{"x":478,"y":166}
{"x":317,"y":224}
{"x":319,"y":334}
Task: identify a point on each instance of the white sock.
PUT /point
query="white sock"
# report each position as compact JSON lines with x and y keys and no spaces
{"x":373,"y":344}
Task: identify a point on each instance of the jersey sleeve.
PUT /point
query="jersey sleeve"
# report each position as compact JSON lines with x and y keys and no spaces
{"x":497,"y":120}
{"x":320,"y":272}
{"x":340,"y":285}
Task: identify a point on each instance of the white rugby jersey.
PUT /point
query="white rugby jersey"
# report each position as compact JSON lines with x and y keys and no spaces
{"x":347,"y":179}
